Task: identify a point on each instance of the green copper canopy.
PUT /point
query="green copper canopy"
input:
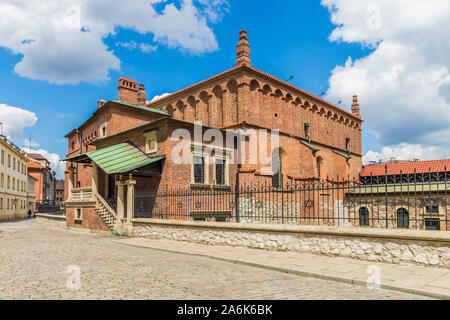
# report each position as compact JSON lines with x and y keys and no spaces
{"x":121,"y":158}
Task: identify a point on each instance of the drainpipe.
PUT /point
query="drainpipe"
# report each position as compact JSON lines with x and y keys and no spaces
{"x":80,"y":138}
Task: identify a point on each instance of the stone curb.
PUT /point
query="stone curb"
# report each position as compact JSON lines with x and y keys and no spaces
{"x":51,"y":216}
{"x":304,"y":273}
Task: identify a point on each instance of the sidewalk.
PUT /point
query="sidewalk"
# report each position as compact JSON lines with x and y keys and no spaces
{"x":432,"y":282}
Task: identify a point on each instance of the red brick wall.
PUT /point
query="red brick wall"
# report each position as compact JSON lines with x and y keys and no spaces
{"x":90,"y":219}
{"x":263,"y":102}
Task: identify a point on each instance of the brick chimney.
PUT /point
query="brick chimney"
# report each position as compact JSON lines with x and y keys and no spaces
{"x":128,"y":90}
{"x":243,"y":51}
{"x":355,"y":106}
{"x":100,"y":103}
{"x":141,"y":96}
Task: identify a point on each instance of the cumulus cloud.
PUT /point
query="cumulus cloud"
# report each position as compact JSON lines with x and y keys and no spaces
{"x":404,"y":83}
{"x":159,"y":97}
{"x":62,"y":41}
{"x":55,"y":161}
{"x":402,"y":151}
{"x":14,"y":120}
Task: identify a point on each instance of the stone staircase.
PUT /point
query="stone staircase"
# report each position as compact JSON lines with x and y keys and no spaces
{"x":105,"y":212}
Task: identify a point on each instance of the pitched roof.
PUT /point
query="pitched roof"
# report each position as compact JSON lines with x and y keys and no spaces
{"x":36,"y":156}
{"x":406,"y":167}
{"x":119,"y":102}
{"x":141,"y":107}
{"x":33,"y":164}
{"x":259,"y":72}
{"x":59,"y":185}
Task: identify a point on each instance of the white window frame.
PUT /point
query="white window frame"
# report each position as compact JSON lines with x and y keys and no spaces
{"x":103,"y":126}
{"x":197,"y":152}
{"x":206,"y":152}
{"x":81,"y":214}
{"x":150,"y":136}
{"x":226,"y":158}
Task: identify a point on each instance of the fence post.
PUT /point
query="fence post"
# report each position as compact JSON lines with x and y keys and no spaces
{"x":236,"y":195}
{"x":386,"y":192}
{"x":238,"y":158}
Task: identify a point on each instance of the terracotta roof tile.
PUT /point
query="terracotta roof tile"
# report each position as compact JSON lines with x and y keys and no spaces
{"x":33,"y":164}
{"x":127,"y":79}
{"x":406,"y":167}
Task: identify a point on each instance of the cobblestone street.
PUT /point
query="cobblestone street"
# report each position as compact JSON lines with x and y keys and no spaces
{"x":35,"y":257}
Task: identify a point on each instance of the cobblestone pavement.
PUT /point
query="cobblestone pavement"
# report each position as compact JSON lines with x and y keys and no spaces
{"x":34,"y":258}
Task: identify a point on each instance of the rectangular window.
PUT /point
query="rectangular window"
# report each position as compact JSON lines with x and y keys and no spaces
{"x":78,"y":214}
{"x":432,"y":209}
{"x":103,"y":130}
{"x":7,"y":204}
{"x":220,"y":172}
{"x":2,"y":180}
{"x":199,"y":169}
{"x":14,"y":184}
{"x":3,"y":156}
{"x":8,"y":182}
{"x":432,"y":224}
{"x":9,"y":161}
{"x":14,"y":163}
{"x":151,"y":143}
{"x":1,"y":203}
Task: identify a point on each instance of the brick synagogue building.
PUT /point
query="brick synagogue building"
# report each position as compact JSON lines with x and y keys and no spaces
{"x":124,"y":149}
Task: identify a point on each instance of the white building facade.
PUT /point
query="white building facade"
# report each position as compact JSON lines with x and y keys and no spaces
{"x":13,"y":181}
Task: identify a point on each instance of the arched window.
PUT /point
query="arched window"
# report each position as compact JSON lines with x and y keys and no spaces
{"x":363,"y":217}
{"x":402,"y":218}
{"x":277,"y":177}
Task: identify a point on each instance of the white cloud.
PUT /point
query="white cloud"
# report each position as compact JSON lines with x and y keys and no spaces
{"x":404,"y":83}
{"x":27,"y":143}
{"x":61,"y":41}
{"x":15,"y":120}
{"x":403,"y":151}
{"x":159,"y":97}
{"x":147,"y":48}
{"x":132,"y":45}
{"x":55,"y":161}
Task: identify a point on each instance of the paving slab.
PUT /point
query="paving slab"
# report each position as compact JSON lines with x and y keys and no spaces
{"x":434,"y":282}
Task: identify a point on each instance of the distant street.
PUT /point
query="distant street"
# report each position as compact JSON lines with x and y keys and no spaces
{"x":34,"y":258}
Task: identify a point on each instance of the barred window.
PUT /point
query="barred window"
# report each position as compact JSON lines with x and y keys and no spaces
{"x":199,"y":169}
{"x":78,"y":214}
{"x":220,"y":171}
{"x":402,"y":218}
{"x":432,"y":224}
{"x":432,"y":209}
{"x":363,"y":217}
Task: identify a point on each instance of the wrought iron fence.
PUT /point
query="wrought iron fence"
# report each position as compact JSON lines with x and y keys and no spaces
{"x":415,"y":201}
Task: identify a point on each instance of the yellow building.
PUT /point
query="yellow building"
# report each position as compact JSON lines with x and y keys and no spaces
{"x":13,"y":181}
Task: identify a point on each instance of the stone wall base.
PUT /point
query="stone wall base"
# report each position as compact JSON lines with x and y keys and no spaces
{"x":12,"y":216}
{"x":57,"y":221}
{"x":370,"y":248}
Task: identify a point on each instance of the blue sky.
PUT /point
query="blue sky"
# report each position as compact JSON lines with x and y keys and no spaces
{"x":286,"y":38}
